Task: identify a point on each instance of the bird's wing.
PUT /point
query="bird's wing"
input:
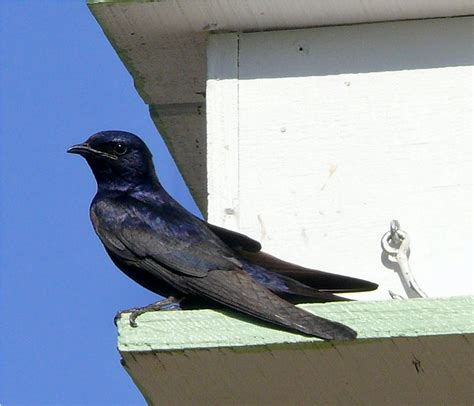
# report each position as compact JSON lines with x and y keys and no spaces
{"x":168,"y":235}
{"x":250,"y":249}
{"x":176,"y":248}
{"x":235,"y":240}
{"x":239,"y":291}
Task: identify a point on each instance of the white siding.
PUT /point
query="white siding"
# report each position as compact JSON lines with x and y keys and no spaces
{"x":332,"y":132}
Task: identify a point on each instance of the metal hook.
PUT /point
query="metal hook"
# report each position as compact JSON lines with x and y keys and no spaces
{"x":396,"y":243}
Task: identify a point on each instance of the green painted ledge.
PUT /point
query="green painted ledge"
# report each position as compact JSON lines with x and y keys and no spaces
{"x":190,"y":329}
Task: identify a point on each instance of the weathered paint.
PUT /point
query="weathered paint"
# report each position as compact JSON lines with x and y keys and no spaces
{"x":169,"y":73}
{"x":401,"y":371}
{"x":223,"y":131}
{"x":416,"y":351}
{"x":259,"y":15}
{"x":179,"y":330}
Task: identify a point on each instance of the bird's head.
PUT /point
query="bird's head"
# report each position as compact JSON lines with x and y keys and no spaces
{"x":118,"y":159}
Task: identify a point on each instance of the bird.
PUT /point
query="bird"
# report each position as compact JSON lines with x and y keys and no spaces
{"x":166,"y":249}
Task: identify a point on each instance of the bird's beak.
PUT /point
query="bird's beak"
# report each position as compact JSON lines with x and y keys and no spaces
{"x":85,"y":149}
{"x":80,"y":149}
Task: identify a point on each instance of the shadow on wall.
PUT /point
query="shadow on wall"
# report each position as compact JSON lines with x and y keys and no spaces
{"x":379,"y":47}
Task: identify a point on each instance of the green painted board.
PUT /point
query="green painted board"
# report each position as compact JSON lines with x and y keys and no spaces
{"x":179,"y":330}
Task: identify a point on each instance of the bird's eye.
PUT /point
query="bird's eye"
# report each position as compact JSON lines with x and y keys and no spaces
{"x":120,"y":149}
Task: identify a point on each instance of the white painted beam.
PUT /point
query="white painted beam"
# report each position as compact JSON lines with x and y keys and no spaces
{"x":163,"y":45}
{"x":342,"y":129}
{"x":223,"y":131}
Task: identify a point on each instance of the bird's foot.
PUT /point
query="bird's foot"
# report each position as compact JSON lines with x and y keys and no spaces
{"x":165,"y":304}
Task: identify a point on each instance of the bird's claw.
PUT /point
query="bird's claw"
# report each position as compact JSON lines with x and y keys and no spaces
{"x":119,"y":314}
{"x":137,"y":311}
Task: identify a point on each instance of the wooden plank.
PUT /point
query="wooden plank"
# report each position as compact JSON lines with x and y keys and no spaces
{"x":169,"y":72}
{"x":259,"y":15}
{"x":223,"y":130}
{"x":179,"y":330}
{"x":401,"y":371}
{"x":183,"y":127}
{"x":416,"y":351}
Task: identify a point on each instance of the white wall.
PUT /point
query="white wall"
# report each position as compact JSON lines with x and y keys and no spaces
{"x":317,"y":138}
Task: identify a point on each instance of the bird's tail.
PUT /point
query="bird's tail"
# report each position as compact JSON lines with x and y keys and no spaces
{"x":323,"y":281}
{"x":288,"y":288}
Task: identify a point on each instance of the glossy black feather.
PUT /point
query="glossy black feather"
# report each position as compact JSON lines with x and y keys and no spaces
{"x":235,"y":240}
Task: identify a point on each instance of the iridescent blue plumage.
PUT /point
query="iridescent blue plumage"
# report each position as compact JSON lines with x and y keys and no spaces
{"x":166,"y":249}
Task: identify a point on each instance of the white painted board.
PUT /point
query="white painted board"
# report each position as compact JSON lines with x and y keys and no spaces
{"x":335,"y":131}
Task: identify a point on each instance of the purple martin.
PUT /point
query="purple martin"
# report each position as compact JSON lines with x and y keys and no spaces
{"x":160,"y":245}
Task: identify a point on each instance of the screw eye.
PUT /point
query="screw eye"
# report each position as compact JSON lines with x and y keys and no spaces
{"x":120,"y":149}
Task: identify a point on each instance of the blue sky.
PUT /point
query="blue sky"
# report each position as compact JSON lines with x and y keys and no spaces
{"x":60,"y":82}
